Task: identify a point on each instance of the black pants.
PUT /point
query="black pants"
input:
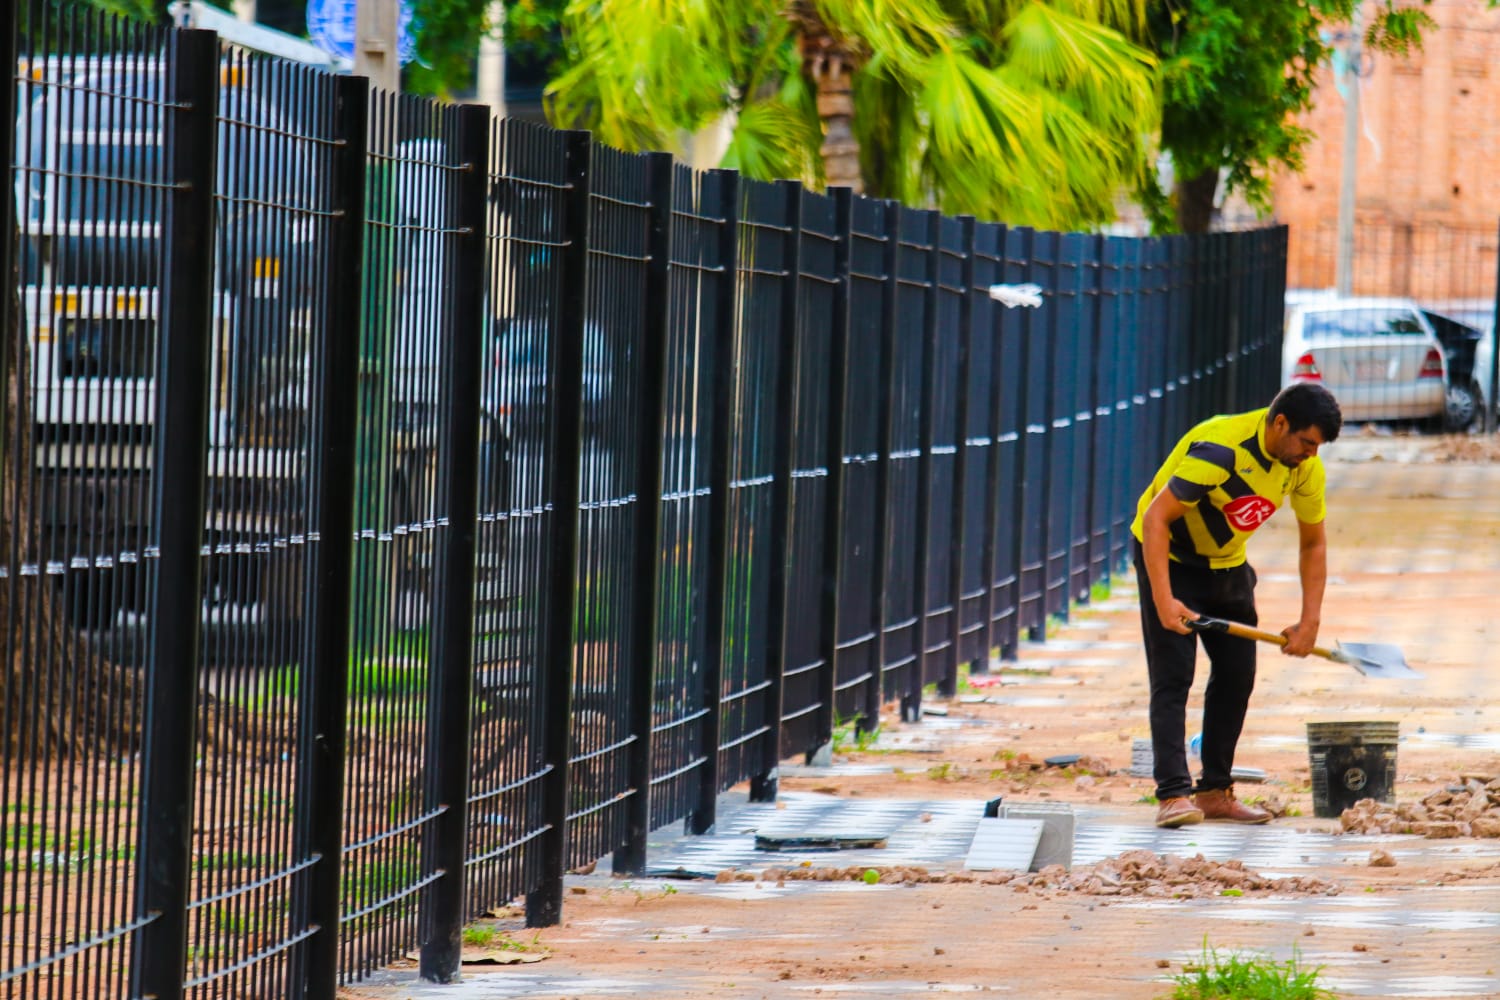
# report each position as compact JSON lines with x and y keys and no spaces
{"x":1170,"y":660}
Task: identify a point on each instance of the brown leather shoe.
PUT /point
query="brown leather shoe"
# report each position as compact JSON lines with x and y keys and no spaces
{"x":1220,"y":803}
{"x":1176,"y":812}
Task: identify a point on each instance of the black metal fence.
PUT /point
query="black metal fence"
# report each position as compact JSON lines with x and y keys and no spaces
{"x":403,"y":506}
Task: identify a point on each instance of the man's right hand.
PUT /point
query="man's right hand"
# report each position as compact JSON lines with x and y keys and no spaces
{"x":1174,"y":615}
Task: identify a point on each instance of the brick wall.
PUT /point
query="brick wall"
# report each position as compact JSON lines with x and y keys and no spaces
{"x":1428,"y":188}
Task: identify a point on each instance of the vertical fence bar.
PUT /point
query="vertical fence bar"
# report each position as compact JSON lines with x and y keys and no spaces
{"x":702,"y":818}
{"x":8,"y":42}
{"x":180,"y":458}
{"x":448,"y":724}
{"x":1101,"y":400}
{"x":989,"y":240}
{"x":870,"y":719}
{"x":763,"y":782}
{"x":1491,"y":377}
{"x":911,"y":700}
{"x":834,"y":511}
{"x":565,"y":374}
{"x":630,"y":859}
{"x":320,"y":813}
{"x":1082,"y":400}
{"x":1008,"y":505}
{"x":859,"y":595}
{"x":948,"y":682}
{"x":1036,"y":438}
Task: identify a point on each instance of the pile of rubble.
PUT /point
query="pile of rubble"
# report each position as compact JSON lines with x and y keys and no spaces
{"x":1133,"y":873}
{"x":1470,"y":809}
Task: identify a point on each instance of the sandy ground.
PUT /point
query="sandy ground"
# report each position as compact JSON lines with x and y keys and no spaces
{"x":1414,"y":560}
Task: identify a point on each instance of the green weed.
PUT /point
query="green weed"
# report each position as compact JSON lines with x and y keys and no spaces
{"x":1237,"y":976}
{"x":480,"y":935}
{"x":847,"y":732}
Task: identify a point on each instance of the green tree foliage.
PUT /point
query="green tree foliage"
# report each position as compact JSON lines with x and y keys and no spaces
{"x":448,"y":33}
{"x":1234,"y":76}
{"x":1033,"y":111}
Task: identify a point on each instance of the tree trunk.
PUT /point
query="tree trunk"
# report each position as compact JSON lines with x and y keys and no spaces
{"x":1194,"y":197}
{"x":840,"y":151}
{"x":830,"y":68}
{"x":58,"y":699}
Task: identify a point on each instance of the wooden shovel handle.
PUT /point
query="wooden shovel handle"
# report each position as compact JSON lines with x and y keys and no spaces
{"x":1206,"y":624}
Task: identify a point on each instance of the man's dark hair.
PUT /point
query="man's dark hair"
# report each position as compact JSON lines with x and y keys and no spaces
{"x":1305,"y":404}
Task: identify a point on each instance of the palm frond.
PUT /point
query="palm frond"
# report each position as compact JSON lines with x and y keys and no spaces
{"x":1126,"y":16}
{"x":774,"y":140}
{"x":1111,"y":80}
{"x":904,"y":32}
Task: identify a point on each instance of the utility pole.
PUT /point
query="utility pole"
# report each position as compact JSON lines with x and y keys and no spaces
{"x":1344,"y":261}
{"x":376,"y":43}
{"x":490,"y":78}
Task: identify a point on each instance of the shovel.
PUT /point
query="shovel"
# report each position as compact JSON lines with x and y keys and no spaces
{"x":1373,"y":659}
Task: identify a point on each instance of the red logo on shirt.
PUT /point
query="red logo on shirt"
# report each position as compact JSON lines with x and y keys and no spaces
{"x":1249,"y":513}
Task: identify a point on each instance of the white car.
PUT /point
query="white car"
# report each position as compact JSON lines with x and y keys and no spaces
{"x":1380,"y":357}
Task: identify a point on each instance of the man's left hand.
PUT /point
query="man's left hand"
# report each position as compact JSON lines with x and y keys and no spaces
{"x":1300,"y":638}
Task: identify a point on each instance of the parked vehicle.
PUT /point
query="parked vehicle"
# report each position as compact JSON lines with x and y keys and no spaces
{"x":1380,"y":357}
{"x":90,"y":143}
{"x":1469,"y":339}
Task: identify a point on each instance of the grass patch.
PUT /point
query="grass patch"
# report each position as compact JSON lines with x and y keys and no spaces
{"x":1238,"y":976}
{"x":493,"y":938}
{"x":847,"y":734}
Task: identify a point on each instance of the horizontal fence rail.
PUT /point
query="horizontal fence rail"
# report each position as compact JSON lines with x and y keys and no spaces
{"x":403,"y":507}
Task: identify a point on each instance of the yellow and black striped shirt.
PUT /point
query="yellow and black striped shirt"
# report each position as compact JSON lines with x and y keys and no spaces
{"x":1220,"y":469}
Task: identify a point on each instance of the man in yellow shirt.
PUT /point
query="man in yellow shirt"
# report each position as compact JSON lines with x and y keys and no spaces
{"x":1222,"y":481}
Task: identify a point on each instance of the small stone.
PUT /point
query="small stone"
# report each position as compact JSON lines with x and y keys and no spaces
{"x":1381,"y":859}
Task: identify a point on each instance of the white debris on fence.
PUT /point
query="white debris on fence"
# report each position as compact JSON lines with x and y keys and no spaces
{"x":1012,"y":296}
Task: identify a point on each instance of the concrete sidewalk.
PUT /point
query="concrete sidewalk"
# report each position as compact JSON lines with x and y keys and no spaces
{"x":1414,"y":560}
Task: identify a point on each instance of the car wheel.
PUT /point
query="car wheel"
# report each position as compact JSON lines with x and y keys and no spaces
{"x":1460,"y":406}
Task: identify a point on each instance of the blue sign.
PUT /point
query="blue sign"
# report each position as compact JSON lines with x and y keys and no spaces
{"x":330,"y":24}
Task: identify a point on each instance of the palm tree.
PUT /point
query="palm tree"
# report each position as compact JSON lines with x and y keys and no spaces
{"x":1031,"y":111}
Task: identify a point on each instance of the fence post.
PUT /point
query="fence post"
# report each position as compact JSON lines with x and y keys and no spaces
{"x":630,"y":859}
{"x":875,"y":696}
{"x":833,"y":511}
{"x":8,"y":221}
{"x":448,"y":723}
{"x":763,"y":783}
{"x":911,"y":700}
{"x":948,"y":685}
{"x":565,"y":370}
{"x":180,"y":457}
{"x":1492,"y":405}
{"x":320,"y":806}
{"x":995,"y":240}
{"x":702,"y":818}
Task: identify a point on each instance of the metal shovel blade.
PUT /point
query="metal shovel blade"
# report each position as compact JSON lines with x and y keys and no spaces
{"x":1375,"y":659}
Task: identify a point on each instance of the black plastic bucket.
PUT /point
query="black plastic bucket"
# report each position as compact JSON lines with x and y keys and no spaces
{"x":1351,"y":761}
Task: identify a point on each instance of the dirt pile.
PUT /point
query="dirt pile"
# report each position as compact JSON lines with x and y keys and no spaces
{"x":1133,"y":873}
{"x":1469,"y":809}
